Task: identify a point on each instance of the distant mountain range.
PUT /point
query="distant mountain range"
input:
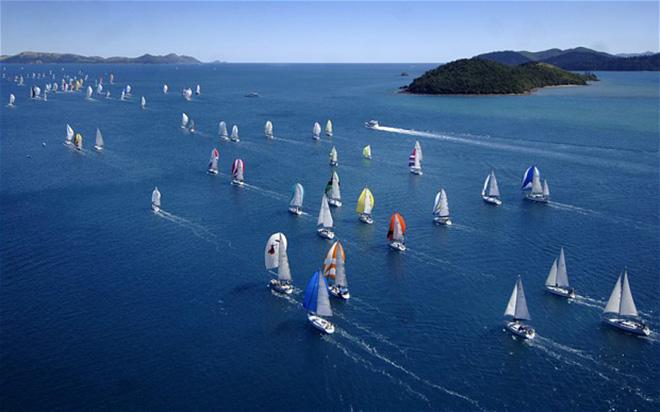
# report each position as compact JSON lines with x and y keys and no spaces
{"x":45,"y":58}
{"x":579,"y":58}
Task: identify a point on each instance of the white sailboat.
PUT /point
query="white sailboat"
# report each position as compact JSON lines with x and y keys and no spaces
{"x":98,"y":145}
{"x":268,"y":129}
{"x":415,"y":159}
{"x":491,"y":191}
{"x":184,"y":120}
{"x":332,"y":190}
{"x":516,"y":309}
{"x":317,"y":303}
{"x":166,"y":88}
{"x":187,"y":94}
{"x":12,"y":99}
{"x":275,"y":257}
{"x":441,"y":209}
{"x":316,"y":131}
{"x":198,"y":90}
{"x":155,"y":200}
{"x":296,"y":203}
{"x":397,"y":232}
{"x":237,"y":172}
{"x":621,"y":311}
{"x":557,"y":280}
{"x":234,"y":134}
{"x":366,"y":152}
{"x":123,"y":95}
{"x":532,"y":182}
{"x":107,"y":94}
{"x":333,"y":157}
{"x":328,"y":128}
{"x":128,"y":90}
{"x":99,"y":89}
{"x":365,"y":204}
{"x":191,"y":126}
{"x":143,"y":102}
{"x":222,"y":131}
{"x":334,"y":268}
{"x":89,"y":92}
{"x":213,"y":162}
{"x":69,"y":135}
{"x":325,"y":223}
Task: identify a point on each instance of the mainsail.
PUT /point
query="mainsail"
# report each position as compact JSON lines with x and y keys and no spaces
{"x":69,"y":134}
{"x":165,"y":89}
{"x":317,"y":130}
{"x":325,"y":217}
{"x":491,"y":189}
{"x":546,"y":189}
{"x":621,"y":301}
{"x":297,"y":194}
{"x":89,"y":92}
{"x":328,"y":128}
{"x":99,"y":139}
{"x":268,"y":129}
{"x":332,"y":188}
{"x":333,"y":155}
{"x":184,"y":120}
{"x":441,"y":205}
{"x":234,"y":132}
{"x":222,"y":129}
{"x":237,"y":170}
{"x":155,"y":197}
{"x":365,"y":202}
{"x":213,"y":162}
{"x":275,"y":256}
{"x":143,"y":102}
{"x":517,"y":306}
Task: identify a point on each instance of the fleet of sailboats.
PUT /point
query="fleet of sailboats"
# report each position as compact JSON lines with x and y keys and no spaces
{"x":396,"y":232}
{"x":213,"y":162}
{"x":332,"y":190}
{"x":296,"y":203}
{"x":317,"y":303}
{"x":621,"y":311}
{"x":334,"y":268}
{"x":557,"y":280}
{"x":441,"y":209}
{"x":333,"y":157}
{"x":365,"y":204}
{"x":237,"y":170}
{"x":275,"y":257}
{"x":98,"y":145}
{"x":516,"y":312}
{"x":415,"y":159}
{"x":491,"y":191}
{"x":155,"y":200}
{"x":324,"y":224}
{"x":268,"y":129}
{"x":531,"y":184}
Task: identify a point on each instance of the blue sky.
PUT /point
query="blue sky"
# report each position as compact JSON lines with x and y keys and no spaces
{"x":284,"y":31}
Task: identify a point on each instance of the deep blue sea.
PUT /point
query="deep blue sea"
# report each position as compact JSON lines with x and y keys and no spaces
{"x":105,"y":305}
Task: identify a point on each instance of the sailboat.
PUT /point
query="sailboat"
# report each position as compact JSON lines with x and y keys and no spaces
{"x":366,"y":152}
{"x":35,"y":92}
{"x":69,"y":135}
{"x":89,"y":92}
{"x":222,"y":131}
{"x":557,"y":280}
{"x":316,"y":131}
{"x":123,"y":95}
{"x":334,"y":267}
{"x":328,"y":128}
{"x":234,"y":134}
{"x":491,"y":191}
{"x":324,"y":223}
{"x":45,"y":96}
{"x":268,"y":129}
{"x":128,"y":90}
{"x":12,"y":99}
{"x":78,"y":141}
{"x":333,"y":157}
{"x":275,"y":257}
{"x":98,"y":145}
{"x":191,"y":126}
{"x":517,"y":310}
{"x":107,"y":94}
{"x":365,"y":204}
{"x":237,"y":170}
{"x":213,"y":163}
{"x":143,"y":102}
{"x":332,"y":190}
{"x":112,"y":78}
{"x":184,"y":120}
{"x":415,"y":160}
{"x":621,"y":311}
{"x":155,"y":200}
{"x":441,"y":209}
{"x":165,"y":88}
{"x":198,"y":90}
{"x":99,"y":89}
{"x":317,"y":303}
{"x":296,"y":203}
{"x":396,"y":233}
{"x":187,"y":94}
{"x":532,"y":182}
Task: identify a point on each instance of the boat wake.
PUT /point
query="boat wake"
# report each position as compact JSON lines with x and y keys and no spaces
{"x":589,"y":212}
{"x":265,"y":192}
{"x":589,"y":302}
{"x":198,"y":230}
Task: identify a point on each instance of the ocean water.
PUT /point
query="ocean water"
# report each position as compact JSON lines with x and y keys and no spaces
{"x":106,"y":305}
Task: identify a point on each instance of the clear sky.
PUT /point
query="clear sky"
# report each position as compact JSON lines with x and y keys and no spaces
{"x":284,"y":31}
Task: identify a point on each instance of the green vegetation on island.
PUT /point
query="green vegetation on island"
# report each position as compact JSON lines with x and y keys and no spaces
{"x":476,"y":76}
{"x":46,"y":58}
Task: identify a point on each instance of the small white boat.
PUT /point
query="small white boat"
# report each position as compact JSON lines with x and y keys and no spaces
{"x":69,"y":135}
{"x":165,"y":88}
{"x":334,"y":268}
{"x":128,"y":90}
{"x":98,"y":145}
{"x":222,"y":131}
{"x":325,"y":223}
{"x":516,"y":309}
{"x":415,"y":160}
{"x":275,"y":257}
{"x":12,"y":99}
{"x":332,"y":190}
{"x":237,"y":171}
{"x":557,"y":280}
{"x":396,"y":232}
{"x":366,"y":152}
{"x":333,"y":157}
{"x":328,"y":128}
{"x":234,"y":134}
{"x":123,"y":95}
{"x":316,"y":131}
{"x":268,"y":129}
{"x":441,"y":209}
{"x":155,"y":200}
{"x":35,"y":92}
{"x":213,"y":162}
{"x":184,"y":120}
{"x":371,"y":124}
{"x":187,"y":94}
{"x":365,"y":204}
{"x":491,"y":191}
{"x":198,"y":90}
{"x":107,"y":94}
{"x":317,"y":303}
{"x":143,"y":102}
{"x":621,"y":311}
{"x":191,"y":126}
{"x":89,"y":92}
{"x":296,"y":203}
{"x":99,"y":88}
{"x":532,"y":182}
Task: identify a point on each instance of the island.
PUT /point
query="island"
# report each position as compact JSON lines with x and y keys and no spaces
{"x":61,"y":58}
{"x":483,"y":77}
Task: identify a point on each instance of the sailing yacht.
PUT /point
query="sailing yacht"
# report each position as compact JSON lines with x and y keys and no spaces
{"x":441,"y":209}
{"x":78,"y":141}
{"x":328,"y":128}
{"x":99,"y":88}
{"x":12,"y":99}
{"x":621,"y":311}
{"x":491,"y":191}
{"x":155,"y":200}
{"x":187,"y":94}
{"x":275,"y":257}
{"x":222,"y":131}
{"x":333,"y":157}
{"x":99,"y":141}
{"x":89,"y":92}
{"x":107,"y":94}
{"x":213,"y":162}
{"x":296,"y":203}
{"x":143,"y":102}
{"x":198,"y":90}
{"x":396,"y":233}
{"x":324,"y":223}
{"x":365,"y":204}
{"x":191,"y":126}
{"x":532,"y":182}
{"x":557,"y":280}
{"x":234,"y":134}
{"x":237,"y":170}
{"x":316,"y":131}
{"x":69,"y":135}
{"x":371,"y":124}
{"x":184,"y":120}
{"x":334,"y":267}
{"x":517,"y":310}
{"x":415,"y":159}
{"x":123,"y":95}
{"x":366,"y":152}
{"x":317,"y":303}
{"x":268,"y":129}
{"x":332,"y":190}
{"x":128,"y":90}
{"x":165,"y":88}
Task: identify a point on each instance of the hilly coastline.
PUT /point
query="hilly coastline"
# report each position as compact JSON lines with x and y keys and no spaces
{"x":46,"y":58}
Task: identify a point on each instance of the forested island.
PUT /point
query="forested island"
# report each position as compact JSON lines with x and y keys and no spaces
{"x":46,"y":58}
{"x":482,"y":77}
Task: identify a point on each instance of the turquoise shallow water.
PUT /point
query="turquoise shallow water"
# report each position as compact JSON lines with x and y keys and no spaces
{"x":105,"y":305}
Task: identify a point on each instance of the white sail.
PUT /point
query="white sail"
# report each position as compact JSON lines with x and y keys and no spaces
{"x":155,"y":197}
{"x":69,"y":134}
{"x":517,"y":306}
{"x":418,"y":149}
{"x":187,"y":93}
{"x":322,"y":300}
{"x":222,"y":129}
{"x":99,"y":139}
{"x":441,"y":205}
{"x":335,"y":192}
{"x":316,"y":130}
{"x":491,"y":188}
{"x":275,"y":242}
{"x":627,"y":306}
{"x":333,"y":155}
{"x":234,"y":132}
{"x":128,"y":89}
{"x":562,"y":275}
{"x":99,"y":89}
{"x":283,"y":269}
{"x":546,"y":189}
{"x":340,"y":270}
{"x":89,"y":92}
{"x":143,"y":102}
{"x":614,"y":302}
{"x":123,"y":95}
{"x":198,"y":90}
{"x":184,"y":120}
{"x":268,"y":129}
{"x":12,"y":99}
{"x":328,"y":128}
{"x":297,"y":198}
{"x":165,"y":88}
{"x":551,"y":280}
{"x":325,"y":217}
{"x":536,"y":182}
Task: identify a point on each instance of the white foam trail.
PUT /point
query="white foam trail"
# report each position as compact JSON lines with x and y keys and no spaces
{"x":375,"y":335}
{"x":198,"y":230}
{"x":265,"y":192}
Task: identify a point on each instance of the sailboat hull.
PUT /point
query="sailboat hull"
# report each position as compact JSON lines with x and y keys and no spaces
{"x":492,"y":200}
{"x":98,"y":148}
{"x":630,"y":326}
{"x":326,"y":233}
{"x":155,"y":208}
{"x":442,"y":220}
{"x":334,"y":202}
{"x":238,"y":183}
{"x":538,"y":198}
{"x":316,"y":137}
{"x":365,"y":218}
{"x":213,"y":172}
{"x":334,"y":164}
{"x":396,"y":245}
{"x":560,"y":291}
{"x":337,"y":292}
{"x":295,"y":211}
{"x":235,"y":139}
{"x":280,"y":287}
{"x":416,"y":171}
{"x":225,"y":138}
{"x":520,"y":329}
{"x":321,"y":324}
